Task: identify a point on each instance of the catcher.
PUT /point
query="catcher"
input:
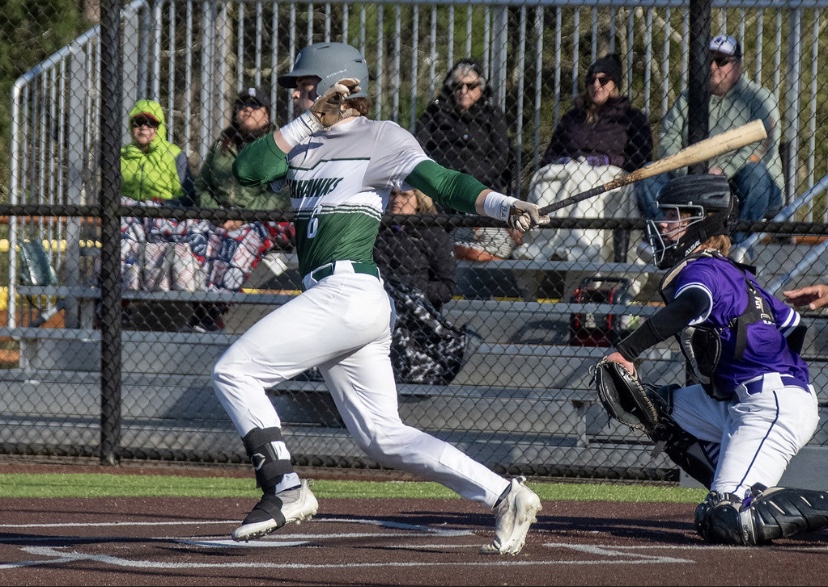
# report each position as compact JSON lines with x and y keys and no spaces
{"x":752,"y":406}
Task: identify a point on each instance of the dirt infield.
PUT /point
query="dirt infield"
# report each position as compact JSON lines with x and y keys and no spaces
{"x":378,"y":542}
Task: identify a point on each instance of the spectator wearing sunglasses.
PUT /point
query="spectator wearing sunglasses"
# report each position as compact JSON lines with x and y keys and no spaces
{"x":754,"y":171}
{"x":217,"y":187}
{"x":599,"y":139}
{"x":152,"y":168}
{"x":464,"y":130}
{"x":602,"y":126}
{"x":154,"y":172}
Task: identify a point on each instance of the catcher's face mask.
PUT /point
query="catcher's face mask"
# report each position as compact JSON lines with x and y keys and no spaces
{"x":673,"y":237}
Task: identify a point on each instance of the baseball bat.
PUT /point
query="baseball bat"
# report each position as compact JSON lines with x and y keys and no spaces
{"x":707,"y":149}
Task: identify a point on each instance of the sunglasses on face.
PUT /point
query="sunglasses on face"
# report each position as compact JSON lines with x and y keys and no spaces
{"x":472,"y":86}
{"x":249,"y":104}
{"x":601,"y":80}
{"x":721,"y":61}
{"x":139,"y":122}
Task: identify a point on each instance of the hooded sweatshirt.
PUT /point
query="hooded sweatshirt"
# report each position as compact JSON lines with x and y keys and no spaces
{"x":218,"y":188}
{"x":160,"y":174}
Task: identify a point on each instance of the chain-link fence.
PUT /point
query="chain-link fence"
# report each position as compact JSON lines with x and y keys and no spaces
{"x":535,"y":311}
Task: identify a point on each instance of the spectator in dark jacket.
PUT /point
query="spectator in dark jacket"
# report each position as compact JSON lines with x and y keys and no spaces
{"x":601,"y":138}
{"x":417,"y":264}
{"x":218,"y":188}
{"x":602,"y":126}
{"x":414,"y":254}
{"x":464,"y":130}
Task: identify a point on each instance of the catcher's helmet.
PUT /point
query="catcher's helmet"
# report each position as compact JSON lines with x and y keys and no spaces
{"x":710,"y":205}
{"x":330,"y":62}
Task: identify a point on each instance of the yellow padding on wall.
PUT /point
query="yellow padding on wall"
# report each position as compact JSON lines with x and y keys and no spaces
{"x":52,"y":245}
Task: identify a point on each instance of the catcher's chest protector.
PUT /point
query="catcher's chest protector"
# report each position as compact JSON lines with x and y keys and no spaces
{"x":702,"y":345}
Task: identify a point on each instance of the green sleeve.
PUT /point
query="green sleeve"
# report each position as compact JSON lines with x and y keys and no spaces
{"x":260,"y":162}
{"x":451,"y":188}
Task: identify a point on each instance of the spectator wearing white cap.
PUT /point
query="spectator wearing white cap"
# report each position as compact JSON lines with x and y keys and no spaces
{"x":754,"y":171}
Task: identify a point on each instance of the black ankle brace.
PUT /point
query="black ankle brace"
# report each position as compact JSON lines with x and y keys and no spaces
{"x":268,"y":455}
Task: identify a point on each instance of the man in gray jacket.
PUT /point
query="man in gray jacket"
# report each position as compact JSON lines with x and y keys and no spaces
{"x":755,"y":171}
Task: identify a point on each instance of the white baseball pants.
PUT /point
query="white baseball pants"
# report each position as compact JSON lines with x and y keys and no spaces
{"x":343,"y":325}
{"x":758,"y":434}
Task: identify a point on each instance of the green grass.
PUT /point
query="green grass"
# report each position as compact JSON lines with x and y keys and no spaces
{"x":86,"y":485}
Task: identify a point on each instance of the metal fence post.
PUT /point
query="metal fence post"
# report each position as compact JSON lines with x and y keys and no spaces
{"x":111,"y":68}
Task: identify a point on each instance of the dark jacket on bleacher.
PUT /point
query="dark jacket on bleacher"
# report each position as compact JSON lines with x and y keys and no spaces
{"x":474,"y":142}
{"x":621,"y":136}
{"x":419,"y":256}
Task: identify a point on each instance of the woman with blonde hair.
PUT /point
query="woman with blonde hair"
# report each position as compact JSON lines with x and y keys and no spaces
{"x":414,"y":253}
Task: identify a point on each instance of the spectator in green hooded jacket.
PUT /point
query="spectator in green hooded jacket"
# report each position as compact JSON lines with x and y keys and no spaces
{"x":152,"y":168}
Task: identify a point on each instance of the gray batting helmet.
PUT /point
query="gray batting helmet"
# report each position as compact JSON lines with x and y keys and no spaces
{"x":330,"y":62}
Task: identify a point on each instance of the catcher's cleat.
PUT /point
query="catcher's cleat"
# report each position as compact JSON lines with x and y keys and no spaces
{"x":513,"y":516}
{"x":275,"y":510}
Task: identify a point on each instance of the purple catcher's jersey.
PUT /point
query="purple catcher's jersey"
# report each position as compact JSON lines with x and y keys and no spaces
{"x":766,"y":350}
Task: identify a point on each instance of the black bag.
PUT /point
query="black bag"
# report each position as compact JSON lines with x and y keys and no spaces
{"x":425,"y":346}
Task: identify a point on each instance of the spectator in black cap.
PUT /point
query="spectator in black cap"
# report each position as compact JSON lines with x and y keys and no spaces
{"x":601,"y":137}
{"x":602,"y":126}
{"x":218,"y":188}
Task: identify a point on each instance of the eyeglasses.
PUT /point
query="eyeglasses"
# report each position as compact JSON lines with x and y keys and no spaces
{"x":149,"y":123}
{"x":721,"y":60}
{"x":601,"y":80}
{"x":472,"y":86}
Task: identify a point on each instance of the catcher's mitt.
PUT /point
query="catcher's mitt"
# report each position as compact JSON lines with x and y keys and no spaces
{"x":624,"y":397}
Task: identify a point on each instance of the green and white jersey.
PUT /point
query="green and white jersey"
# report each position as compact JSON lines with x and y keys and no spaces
{"x":339,"y":181}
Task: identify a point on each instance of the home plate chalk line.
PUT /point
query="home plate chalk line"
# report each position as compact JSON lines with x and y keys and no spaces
{"x":428,"y":537}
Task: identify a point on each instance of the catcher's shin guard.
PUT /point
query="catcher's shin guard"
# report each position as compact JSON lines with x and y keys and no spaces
{"x":686,"y":451}
{"x":780,"y":512}
{"x":268,"y":455}
{"x":766,"y":514}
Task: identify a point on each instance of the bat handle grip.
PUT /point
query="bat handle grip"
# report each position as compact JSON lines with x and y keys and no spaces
{"x":573,"y":200}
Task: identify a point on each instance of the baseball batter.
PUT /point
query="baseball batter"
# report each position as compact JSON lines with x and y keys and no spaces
{"x":754,"y":407}
{"x":340,"y":168}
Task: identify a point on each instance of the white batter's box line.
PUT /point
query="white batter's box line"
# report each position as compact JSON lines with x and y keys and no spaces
{"x":60,"y":556}
{"x":115,"y":524}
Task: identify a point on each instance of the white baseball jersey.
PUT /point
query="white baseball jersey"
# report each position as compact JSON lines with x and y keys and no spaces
{"x":339,"y":180}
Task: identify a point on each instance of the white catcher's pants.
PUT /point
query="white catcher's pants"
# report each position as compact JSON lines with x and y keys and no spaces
{"x":758,"y":435}
{"x":343,"y":326}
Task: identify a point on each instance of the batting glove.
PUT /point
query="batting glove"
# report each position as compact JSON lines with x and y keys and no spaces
{"x":523,"y":216}
{"x":325,"y":112}
{"x":516,"y":213}
{"x":328,"y":108}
